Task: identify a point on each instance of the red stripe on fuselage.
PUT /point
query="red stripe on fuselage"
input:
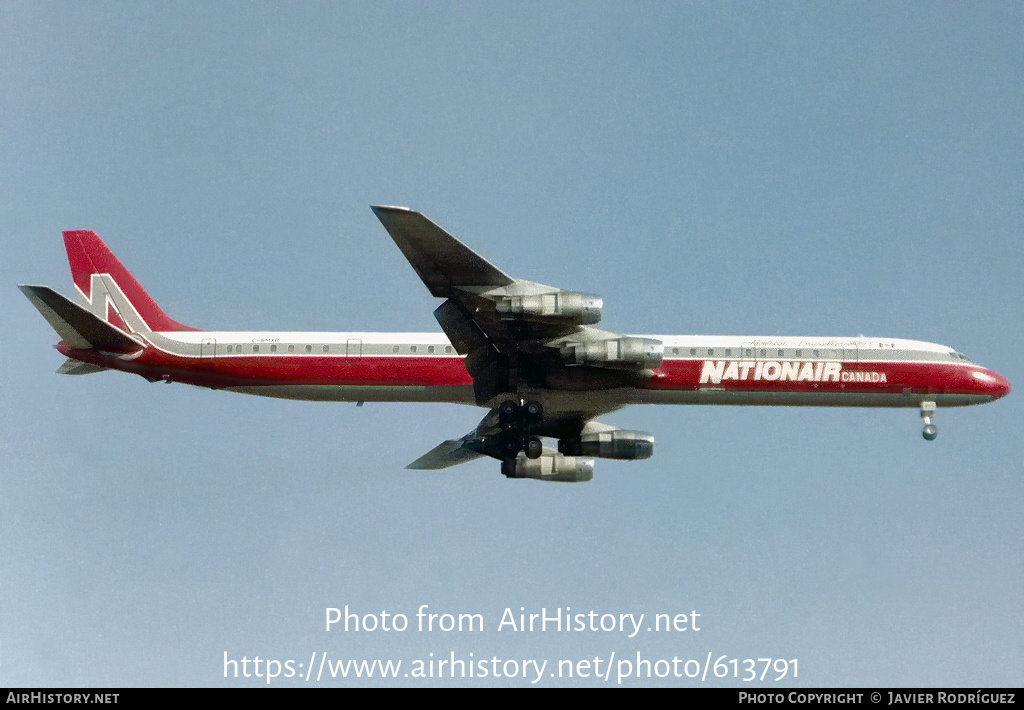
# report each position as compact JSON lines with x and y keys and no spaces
{"x":861,"y":377}
{"x":256,"y":370}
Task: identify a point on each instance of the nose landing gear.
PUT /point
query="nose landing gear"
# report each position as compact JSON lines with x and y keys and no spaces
{"x":930,"y":431}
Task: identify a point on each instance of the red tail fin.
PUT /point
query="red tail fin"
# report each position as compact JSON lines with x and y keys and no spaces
{"x":88,"y":255}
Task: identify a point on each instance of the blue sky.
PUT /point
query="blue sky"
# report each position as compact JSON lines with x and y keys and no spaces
{"x":716,"y":168}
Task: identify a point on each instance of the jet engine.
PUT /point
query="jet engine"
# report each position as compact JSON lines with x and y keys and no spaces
{"x":618,"y":444}
{"x":627,"y":353}
{"x":562,"y":307}
{"x":613,"y":444}
{"x":551,"y":467}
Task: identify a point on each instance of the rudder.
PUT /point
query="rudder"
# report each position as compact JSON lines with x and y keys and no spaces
{"x":107,"y":288}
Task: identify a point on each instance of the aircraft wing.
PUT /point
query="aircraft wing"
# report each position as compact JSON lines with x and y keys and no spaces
{"x":438,"y":258}
{"x":514,"y":333}
{"x":529,"y":349}
{"x":494,"y":438}
{"x":447,"y":453}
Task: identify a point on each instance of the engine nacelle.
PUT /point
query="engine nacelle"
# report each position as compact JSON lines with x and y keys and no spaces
{"x":555,"y":467}
{"x":563,"y":307}
{"x":618,"y":444}
{"x":628,"y":353}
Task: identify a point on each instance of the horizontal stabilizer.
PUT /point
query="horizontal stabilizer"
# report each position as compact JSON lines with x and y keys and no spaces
{"x":77,"y":367}
{"x":76,"y":326}
{"x":446,"y":454}
{"x":441,"y":260}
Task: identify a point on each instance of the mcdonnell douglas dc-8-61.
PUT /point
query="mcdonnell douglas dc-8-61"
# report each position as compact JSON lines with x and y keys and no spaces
{"x":529,"y":353}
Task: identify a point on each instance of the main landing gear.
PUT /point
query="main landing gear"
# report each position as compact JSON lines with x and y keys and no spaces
{"x":930,"y":431}
{"x":517,"y":419}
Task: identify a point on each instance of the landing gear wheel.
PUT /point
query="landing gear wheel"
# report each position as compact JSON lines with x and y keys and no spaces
{"x":507,"y":411}
{"x":534,"y":410}
{"x":533,"y":447}
{"x":930,"y":431}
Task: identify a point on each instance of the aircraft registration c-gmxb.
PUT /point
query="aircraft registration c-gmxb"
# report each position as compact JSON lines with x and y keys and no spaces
{"x":529,"y":353}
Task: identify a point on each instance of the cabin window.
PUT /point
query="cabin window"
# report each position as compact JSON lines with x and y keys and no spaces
{"x":309,"y":348}
{"x":291,"y":348}
{"x":815,"y":353}
{"x":447,"y":348}
{"x":711,"y":352}
{"x":693,"y":351}
{"x":327,"y":348}
{"x":229,"y":348}
{"x":273,"y":348}
{"x":255,"y":348}
{"x":394,"y":349}
{"x":728,"y":352}
{"x":782,"y":353}
{"x":675,"y":351}
{"x":799,"y":353}
{"x":430,"y":349}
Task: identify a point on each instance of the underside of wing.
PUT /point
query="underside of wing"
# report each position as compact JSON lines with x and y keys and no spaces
{"x":445,"y":454}
{"x":442,"y":261}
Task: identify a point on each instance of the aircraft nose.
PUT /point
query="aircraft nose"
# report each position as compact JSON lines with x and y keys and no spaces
{"x":994,"y":385}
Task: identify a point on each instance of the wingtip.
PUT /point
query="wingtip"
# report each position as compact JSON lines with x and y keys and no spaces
{"x":419,"y":465}
{"x":377,"y":209}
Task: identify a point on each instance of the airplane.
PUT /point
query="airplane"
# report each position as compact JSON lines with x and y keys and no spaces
{"x":529,"y":353}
